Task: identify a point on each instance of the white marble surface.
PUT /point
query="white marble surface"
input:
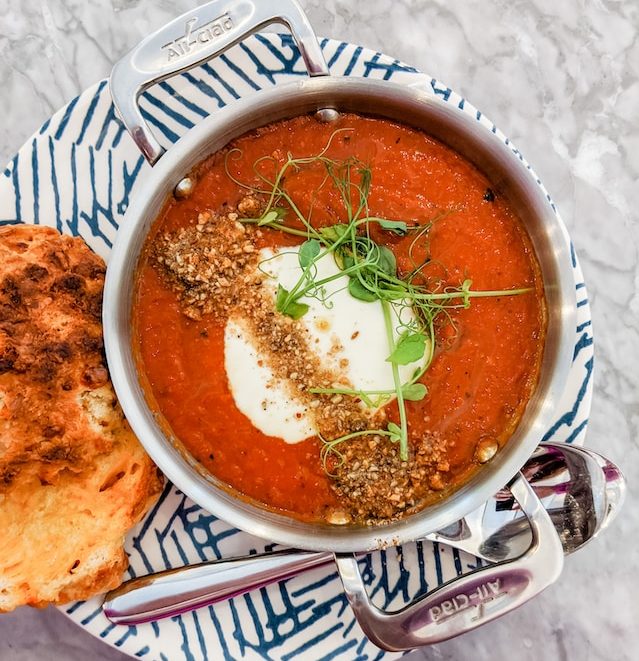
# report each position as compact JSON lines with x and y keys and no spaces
{"x":561,"y":78}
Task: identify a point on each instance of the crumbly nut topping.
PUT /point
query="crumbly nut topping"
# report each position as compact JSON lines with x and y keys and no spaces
{"x":376,"y":485}
{"x":210,"y":265}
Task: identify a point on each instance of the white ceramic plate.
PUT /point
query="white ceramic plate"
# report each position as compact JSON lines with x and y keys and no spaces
{"x":78,"y":173}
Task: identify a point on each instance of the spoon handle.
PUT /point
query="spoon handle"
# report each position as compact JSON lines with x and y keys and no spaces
{"x":179,"y":590}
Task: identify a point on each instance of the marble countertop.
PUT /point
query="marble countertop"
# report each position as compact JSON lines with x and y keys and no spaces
{"x":561,"y":78}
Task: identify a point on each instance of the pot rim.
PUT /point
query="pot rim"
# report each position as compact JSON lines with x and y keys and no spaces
{"x":371,"y":97}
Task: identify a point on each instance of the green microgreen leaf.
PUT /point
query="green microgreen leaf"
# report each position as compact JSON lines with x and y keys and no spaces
{"x":344,"y":259}
{"x":395,"y":432}
{"x":357,"y":290}
{"x":308,"y":251}
{"x":387,"y":262}
{"x":414,"y":391}
{"x":269,"y":217}
{"x":398,"y":227}
{"x":333,"y":233}
{"x":274,"y":216}
{"x":285,"y":305}
{"x":409,"y":348}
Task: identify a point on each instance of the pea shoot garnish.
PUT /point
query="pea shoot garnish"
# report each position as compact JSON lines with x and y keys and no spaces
{"x":408,"y":304}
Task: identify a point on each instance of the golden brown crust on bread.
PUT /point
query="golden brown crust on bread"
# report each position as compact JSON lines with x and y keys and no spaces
{"x":64,"y":542}
{"x":73,"y":478}
{"x":51,"y":351}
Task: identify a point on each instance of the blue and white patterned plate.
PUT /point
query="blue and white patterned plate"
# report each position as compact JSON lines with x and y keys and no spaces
{"x":78,"y":173}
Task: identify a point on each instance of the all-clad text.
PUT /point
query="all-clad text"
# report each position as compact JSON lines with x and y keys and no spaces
{"x":195,"y":38}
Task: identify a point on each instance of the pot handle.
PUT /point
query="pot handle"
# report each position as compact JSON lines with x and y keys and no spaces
{"x":469,"y":601}
{"x":193,"y":38}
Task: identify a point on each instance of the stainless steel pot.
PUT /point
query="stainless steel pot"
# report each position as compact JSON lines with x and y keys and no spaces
{"x":201,"y":35}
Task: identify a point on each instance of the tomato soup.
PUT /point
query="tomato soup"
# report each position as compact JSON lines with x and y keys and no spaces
{"x":419,"y":274}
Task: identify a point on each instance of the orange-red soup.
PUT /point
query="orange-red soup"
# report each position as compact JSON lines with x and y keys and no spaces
{"x":485,"y":366}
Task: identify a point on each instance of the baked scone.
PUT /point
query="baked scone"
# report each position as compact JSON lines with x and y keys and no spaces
{"x":73,"y":478}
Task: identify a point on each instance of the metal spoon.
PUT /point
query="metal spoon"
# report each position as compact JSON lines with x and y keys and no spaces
{"x":580,"y":489}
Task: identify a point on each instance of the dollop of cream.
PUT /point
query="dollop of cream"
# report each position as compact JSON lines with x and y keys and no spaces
{"x":348,"y":336}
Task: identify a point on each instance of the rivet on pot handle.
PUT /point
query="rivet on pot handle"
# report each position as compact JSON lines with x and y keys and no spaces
{"x":196,"y":37}
{"x":467,"y":602}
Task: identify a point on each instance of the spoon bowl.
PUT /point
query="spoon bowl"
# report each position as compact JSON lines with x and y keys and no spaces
{"x":581,"y":490}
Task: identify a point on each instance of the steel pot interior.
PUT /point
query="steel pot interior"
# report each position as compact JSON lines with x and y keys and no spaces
{"x":420,"y":109}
